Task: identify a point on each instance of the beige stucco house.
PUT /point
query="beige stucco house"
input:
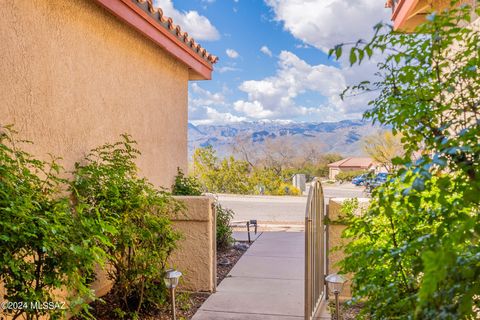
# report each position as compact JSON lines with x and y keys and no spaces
{"x":408,"y":14}
{"x":78,"y":73}
{"x":350,"y":164}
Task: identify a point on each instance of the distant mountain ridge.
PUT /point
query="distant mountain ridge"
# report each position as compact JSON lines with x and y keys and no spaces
{"x":342,"y":137}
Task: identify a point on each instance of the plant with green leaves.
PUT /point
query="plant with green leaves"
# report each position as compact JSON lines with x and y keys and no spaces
{"x":45,"y":248}
{"x":415,"y":253}
{"x":228,"y":175}
{"x":138,"y":222}
{"x":186,"y":186}
{"x":205,"y":167}
{"x":224,"y":230}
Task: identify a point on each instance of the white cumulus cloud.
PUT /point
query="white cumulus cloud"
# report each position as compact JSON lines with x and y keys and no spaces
{"x":226,"y":69}
{"x":209,"y":115}
{"x":202,"y":97}
{"x":204,"y":106}
{"x":197,"y":26}
{"x":232,"y":53}
{"x":325,"y":23}
{"x":266,"y":50}
{"x":253,"y":109}
{"x":275,"y":97}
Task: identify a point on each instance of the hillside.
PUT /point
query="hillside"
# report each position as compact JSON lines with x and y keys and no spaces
{"x":342,"y":137}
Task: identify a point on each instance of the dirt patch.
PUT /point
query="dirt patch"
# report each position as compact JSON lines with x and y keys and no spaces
{"x":228,"y":258}
{"x":186,"y":305}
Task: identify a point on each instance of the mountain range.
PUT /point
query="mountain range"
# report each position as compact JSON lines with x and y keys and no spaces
{"x":344,"y":137}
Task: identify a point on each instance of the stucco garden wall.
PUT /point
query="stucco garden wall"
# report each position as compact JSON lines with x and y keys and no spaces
{"x":73,"y":77}
{"x":196,"y":256}
{"x":335,"y":229}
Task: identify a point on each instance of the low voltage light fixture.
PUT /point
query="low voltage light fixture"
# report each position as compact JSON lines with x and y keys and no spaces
{"x":171,"y":282}
{"x":335,"y":284}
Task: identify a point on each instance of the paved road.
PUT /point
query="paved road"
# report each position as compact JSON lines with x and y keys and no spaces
{"x":281,"y":208}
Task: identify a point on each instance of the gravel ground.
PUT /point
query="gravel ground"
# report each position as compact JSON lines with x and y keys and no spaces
{"x":226,"y":259}
{"x":346,"y":312}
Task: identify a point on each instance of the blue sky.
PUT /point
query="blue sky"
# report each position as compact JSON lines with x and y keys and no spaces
{"x":273,"y":57}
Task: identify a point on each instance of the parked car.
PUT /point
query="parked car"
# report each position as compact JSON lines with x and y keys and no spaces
{"x":360,"y":180}
{"x":382,"y":177}
{"x":375,"y":181}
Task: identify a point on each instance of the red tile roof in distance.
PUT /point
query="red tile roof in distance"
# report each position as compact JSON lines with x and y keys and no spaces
{"x":150,"y":21}
{"x":354,"y":162}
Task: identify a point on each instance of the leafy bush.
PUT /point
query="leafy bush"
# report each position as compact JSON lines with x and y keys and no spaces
{"x":345,"y":176}
{"x":415,"y":253}
{"x":186,"y":186}
{"x":224,"y":230}
{"x":44,"y":247}
{"x":286,"y":189}
{"x":266,"y":178}
{"x":189,"y":186}
{"x":138,"y":224}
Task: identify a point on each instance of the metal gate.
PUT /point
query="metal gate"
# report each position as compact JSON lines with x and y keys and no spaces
{"x":315,"y":256}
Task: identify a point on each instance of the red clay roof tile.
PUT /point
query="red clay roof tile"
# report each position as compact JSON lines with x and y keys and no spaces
{"x":168,"y":23}
{"x":353,"y":162}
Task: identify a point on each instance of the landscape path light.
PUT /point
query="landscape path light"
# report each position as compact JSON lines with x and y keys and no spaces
{"x":335,"y":283}
{"x":171,"y":281}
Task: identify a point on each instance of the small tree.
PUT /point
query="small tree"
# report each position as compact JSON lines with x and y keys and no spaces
{"x":228,"y":175}
{"x":44,"y":247}
{"x":383,"y":148}
{"x":138,"y":219}
{"x":186,"y":186}
{"x":415,"y":253}
{"x":205,"y":166}
{"x":224,"y":230}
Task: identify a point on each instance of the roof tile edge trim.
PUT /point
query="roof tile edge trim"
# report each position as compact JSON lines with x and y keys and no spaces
{"x":167,"y":23}
{"x":162,"y":31}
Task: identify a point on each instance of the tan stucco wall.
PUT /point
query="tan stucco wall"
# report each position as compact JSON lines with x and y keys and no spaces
{"x":335,"y":239}
{"x":196,"y":256}
{"x":73,"y":77}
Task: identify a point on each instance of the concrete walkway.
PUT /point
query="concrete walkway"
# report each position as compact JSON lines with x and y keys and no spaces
{"x":266,"y":283}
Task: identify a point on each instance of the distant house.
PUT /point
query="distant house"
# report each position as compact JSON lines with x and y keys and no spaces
{"x":78,"y":73}
{"x":349,"y":164}
{"x":408,"y":14}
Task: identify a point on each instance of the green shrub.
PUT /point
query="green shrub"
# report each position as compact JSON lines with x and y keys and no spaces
{"x":266,"y":178}
{"x":415,"y":252}
{"x":345,"y":176}
{"x":224,"y":230}
{"x":286,"y":189}
{"x":186,"y":186}
{"x":137,"y":214}
{"x":44,"y":247}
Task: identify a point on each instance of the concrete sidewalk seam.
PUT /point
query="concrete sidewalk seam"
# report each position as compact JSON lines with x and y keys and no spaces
{"x":268,"y":278}
{"x":253,"y":313}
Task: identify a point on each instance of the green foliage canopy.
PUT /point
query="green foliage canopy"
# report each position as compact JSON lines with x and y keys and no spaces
{"x":233,"y":176}
{"x":44,"y":246}
{"x":416,"y":253}
{"x":186,"y":186}
{"x":138,"y":221}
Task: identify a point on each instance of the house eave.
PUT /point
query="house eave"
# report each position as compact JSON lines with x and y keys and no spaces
{"x":129,"y":12}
